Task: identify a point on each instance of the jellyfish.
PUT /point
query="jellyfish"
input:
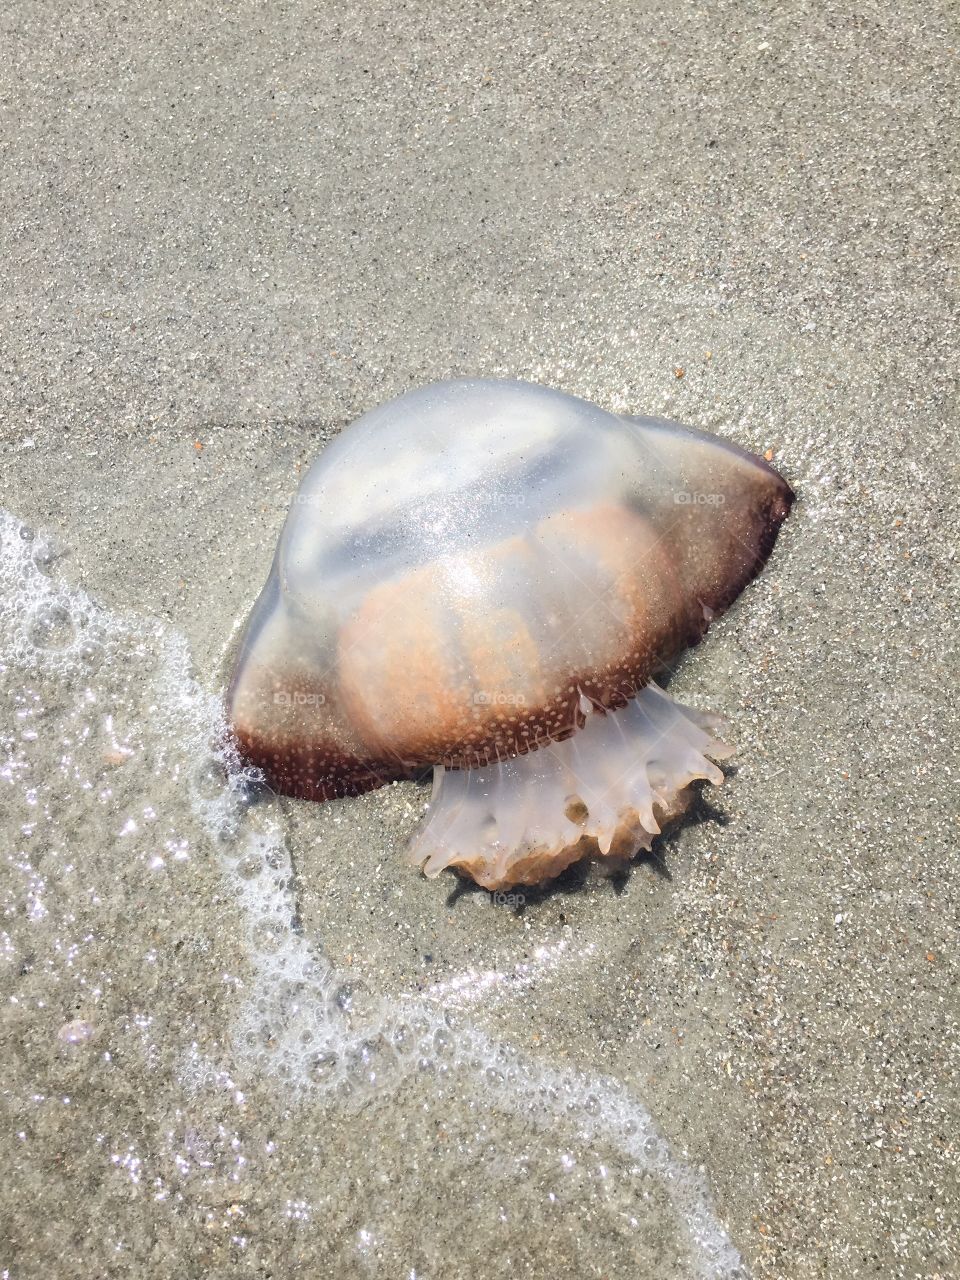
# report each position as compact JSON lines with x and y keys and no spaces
{"x":490,"y":579}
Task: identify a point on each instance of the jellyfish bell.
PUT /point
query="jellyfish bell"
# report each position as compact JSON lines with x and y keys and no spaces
{"x":484,"y":577}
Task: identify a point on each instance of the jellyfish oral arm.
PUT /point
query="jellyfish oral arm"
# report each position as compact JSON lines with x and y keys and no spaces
{"x":605,"y":792}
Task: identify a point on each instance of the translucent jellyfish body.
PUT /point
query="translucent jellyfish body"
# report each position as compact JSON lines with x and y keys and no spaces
{"x":484,"y":577}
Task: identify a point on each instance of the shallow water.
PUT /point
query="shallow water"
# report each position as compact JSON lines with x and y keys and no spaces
{"x":238,"y":1035}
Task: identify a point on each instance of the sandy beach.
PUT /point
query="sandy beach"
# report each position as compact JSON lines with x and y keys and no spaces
{"x":240,"y":1036}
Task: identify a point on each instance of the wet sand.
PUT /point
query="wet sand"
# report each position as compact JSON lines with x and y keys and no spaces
{"x":244,"y":1039}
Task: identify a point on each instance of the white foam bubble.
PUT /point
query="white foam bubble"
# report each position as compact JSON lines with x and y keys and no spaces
{"x":45,"y":625}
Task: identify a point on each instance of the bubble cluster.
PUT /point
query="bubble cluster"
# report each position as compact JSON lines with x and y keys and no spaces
{"x":47,"y":627}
